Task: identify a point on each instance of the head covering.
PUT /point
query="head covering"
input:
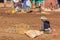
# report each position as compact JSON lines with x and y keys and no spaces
{"x":43,"y":18}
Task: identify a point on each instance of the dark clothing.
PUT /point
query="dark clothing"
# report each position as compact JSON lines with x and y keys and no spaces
{"x":58,"y":1}
{"x":22,"y":1}
{"x":46,"y":27}
{"x":46,"y":24}
{"x":20,"y":4}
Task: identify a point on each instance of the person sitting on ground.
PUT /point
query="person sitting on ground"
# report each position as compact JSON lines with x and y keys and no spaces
{"x":46,"y":25}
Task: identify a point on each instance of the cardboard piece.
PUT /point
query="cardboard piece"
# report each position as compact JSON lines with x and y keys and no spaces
{"x":33,"y":33}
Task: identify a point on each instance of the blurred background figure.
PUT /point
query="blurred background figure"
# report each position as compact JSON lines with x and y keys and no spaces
{"x":24,"y":5}
{"x":36,"y":3}
{"x":16,"y":4}
{"x":40,"y":2}
{"x":20,"y":5}
{"x":5,"y":1}
{"x":48,"y":2}
{"x":51,"y":6}
{"x":28,"y":4}
{"x":40,"y":9}
{"x":33,"y":3}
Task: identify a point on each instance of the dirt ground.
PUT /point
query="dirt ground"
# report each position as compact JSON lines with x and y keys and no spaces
{"x":9,"y":21}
